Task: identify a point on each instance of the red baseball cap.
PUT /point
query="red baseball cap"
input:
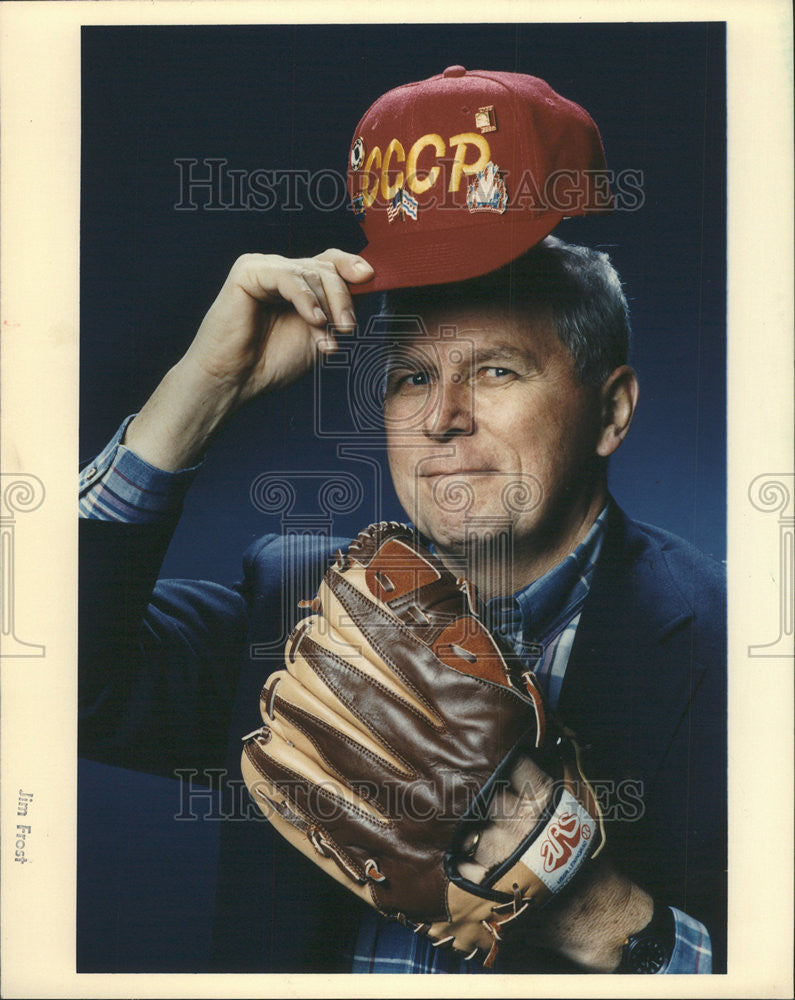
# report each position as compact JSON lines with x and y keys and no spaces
{"x":454,"y":176}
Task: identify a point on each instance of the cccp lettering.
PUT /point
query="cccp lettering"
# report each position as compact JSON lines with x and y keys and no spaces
{"x":469,"y":151}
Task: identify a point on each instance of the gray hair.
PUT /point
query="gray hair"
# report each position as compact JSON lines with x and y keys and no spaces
{"x":576,"y":286}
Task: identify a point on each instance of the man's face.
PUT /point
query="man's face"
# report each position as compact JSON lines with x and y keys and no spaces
{"x":487,"y":423}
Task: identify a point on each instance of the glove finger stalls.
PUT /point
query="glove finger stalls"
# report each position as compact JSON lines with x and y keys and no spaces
{"x":368,"y":774}
{"x":301,"y":668}
{"x":287,"y":773}
{"x":328,"y":737}
{"x":338,"y":686}
{"x":418,"y":591}
{"x":434,"y":608}
{"x":446,"y":666}
{"x":475,"y":711}
{"x":323,"y":674}
{"x":366,"y":623}
{"x":398,"y":726}
{"x":347,"y":646}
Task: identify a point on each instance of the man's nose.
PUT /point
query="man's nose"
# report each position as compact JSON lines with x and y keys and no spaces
{"x":452,"y":411}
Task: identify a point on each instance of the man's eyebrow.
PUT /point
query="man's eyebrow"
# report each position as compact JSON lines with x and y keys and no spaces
{"x":425,"y":348}
{"x":412,"y":355}
{"x":503,"y":352}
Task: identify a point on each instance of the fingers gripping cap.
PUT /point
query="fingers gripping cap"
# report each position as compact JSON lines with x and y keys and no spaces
{"x":454,"y":176}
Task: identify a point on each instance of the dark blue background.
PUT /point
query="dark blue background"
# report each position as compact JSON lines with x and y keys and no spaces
{"x":289,"y":97}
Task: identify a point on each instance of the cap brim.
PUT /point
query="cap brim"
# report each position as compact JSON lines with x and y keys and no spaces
{"x":452,"y":255}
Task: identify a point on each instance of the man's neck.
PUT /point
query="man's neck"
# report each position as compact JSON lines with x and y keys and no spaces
{"x":504,"y":564}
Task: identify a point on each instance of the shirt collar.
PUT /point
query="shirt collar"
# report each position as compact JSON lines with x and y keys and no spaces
{"x":554,"y":597}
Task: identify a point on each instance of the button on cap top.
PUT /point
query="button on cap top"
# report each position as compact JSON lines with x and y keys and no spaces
{"x":454,"y":71}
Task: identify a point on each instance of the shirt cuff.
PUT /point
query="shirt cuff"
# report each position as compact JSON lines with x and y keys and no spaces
{"x":118,"y":485}
{"x":692,"y":952}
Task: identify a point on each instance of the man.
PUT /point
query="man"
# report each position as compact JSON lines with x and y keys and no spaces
{"x":621,"y":623}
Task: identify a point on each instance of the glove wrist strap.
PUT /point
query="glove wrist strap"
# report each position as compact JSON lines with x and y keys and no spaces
{"x":565,"y":836}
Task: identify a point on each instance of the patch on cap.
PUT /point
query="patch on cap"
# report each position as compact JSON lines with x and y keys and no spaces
{"x":487,"y":192}
{"x":357,"y":154}
{"x":485,"y":120}
{"x":402,"y":207}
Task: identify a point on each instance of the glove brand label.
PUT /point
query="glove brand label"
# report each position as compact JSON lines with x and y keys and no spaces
{"x":557,"y":854}
{"x":562,"y":839}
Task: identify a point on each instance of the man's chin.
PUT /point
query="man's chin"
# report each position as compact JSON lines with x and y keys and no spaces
{"x":446,"y":537}
{"x":457,"y":534}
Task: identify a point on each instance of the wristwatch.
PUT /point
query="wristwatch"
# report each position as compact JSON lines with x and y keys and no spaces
{"x":650,"y":950}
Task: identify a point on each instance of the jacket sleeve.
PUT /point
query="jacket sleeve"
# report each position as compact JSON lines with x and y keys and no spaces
{"x":158,"y":661}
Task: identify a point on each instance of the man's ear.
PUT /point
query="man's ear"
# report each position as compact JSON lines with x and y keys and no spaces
{"x":619,"y":399}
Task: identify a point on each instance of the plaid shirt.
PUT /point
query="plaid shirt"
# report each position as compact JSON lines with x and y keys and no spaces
{"x":119,"y":486}
{"x":539,"y":621}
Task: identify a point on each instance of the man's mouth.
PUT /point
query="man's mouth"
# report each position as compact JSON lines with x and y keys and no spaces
{"x":433,"y":473}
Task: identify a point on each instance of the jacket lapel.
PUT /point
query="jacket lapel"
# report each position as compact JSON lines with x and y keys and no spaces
{"x":631,"y":675}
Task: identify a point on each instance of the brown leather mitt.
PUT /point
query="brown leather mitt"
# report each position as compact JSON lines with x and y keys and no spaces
{"x":411,"y":755}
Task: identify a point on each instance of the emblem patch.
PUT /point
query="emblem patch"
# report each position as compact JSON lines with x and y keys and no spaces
{"x":357,"y":154}
{"x":487,"y":191}
{"x":403,"y":206}
{"x":358,"y":206}
{"x":485,"y":119}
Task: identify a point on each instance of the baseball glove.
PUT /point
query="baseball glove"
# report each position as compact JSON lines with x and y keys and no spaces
{"x":411,"y":755}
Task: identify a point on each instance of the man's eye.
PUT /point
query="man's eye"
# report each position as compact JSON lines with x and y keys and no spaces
{"x":414,"y":379}
{"x":494,"y":372}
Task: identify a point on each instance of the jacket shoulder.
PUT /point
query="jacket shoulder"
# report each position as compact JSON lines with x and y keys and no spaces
{"x":700,"y":579}
{"x":674,"y":584}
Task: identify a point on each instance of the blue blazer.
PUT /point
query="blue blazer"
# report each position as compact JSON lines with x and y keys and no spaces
{"x":170,"y":674}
